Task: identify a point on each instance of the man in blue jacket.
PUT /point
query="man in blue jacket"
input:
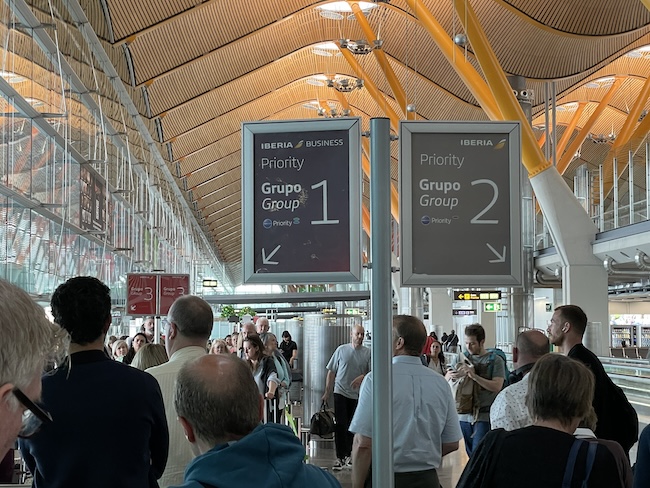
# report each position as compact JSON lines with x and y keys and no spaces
{"x":219,"y":406}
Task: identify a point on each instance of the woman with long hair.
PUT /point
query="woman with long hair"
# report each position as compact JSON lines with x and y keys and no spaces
{"x":261,"y":363}
{"x":437,"y":358}
{"x":139,"y":340}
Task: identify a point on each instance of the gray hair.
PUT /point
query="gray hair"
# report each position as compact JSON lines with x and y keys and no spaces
{"x":29,"y":340}
{"x":218,"y":396}
{"x":193,"y":317}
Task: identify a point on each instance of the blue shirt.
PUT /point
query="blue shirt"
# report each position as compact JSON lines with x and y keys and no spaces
{"x":424,"y":415}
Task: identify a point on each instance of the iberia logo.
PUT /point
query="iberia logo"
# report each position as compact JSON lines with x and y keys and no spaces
{"x":501,"y":144}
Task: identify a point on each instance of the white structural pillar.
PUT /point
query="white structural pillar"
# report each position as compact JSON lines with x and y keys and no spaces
{"x":440,"y":306}
{"x":584,"y":278}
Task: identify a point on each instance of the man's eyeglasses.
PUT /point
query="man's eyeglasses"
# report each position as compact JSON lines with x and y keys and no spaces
{"x":33,"y":417}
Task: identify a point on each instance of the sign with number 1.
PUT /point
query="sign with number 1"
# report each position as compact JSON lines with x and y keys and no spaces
{"x":301,"y":201}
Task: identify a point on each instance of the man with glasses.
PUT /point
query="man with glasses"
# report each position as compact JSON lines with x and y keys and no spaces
{"x":29,"y":342}
{"x":109,"y":427}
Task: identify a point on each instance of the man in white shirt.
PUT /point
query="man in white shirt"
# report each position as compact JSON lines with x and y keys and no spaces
{"x":509,"y":409}
{"x":425,"y":422}
{"x":189,"y":326}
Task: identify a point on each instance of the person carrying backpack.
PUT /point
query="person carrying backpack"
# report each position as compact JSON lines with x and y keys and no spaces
{"x":488,"y":371}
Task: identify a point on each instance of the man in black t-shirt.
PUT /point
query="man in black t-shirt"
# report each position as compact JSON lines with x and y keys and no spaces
{"x":617,"y":419}
{"x":289,"y":348}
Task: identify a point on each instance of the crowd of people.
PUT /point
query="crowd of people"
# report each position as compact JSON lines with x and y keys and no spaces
{"x":195,"y":410}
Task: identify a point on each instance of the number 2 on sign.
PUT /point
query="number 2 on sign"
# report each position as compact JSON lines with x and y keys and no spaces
{"x":325,"y":219}
{"x":477,"y":218}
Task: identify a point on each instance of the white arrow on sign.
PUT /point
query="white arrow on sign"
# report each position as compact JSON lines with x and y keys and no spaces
{"x":265,"y":258}
{"x":501,"y":258}
{"x":132,"y":307}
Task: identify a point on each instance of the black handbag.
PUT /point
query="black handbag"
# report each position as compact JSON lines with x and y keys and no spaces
{"x":322,"y":422}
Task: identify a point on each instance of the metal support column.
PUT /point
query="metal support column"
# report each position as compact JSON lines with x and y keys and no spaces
{"x":647,"y":180}
{"x":615,"y":203}
{"x":601,"y":199}
{"x":522,"y":305}
{"x":630,"y":183}
{"x":380,"y":299}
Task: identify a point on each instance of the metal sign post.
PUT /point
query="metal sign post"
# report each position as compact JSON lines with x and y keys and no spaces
{"x":381,"y":304}
{"x":460,"y":202}
{"x":301,"y":183}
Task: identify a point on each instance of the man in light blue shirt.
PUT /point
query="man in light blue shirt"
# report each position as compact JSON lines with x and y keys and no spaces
{"x":425,"y":422}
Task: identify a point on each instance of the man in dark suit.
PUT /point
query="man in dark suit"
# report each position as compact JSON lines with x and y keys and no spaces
{"x":109,"y":427}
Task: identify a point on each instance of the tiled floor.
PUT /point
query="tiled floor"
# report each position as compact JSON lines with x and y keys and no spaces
{"x":321,"y":453}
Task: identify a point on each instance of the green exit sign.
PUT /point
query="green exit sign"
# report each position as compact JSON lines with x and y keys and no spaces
{"x":491,"y":307}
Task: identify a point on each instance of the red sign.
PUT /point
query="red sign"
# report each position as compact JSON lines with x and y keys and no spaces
{"x":142,"y":294}
{"x":172,"y":287}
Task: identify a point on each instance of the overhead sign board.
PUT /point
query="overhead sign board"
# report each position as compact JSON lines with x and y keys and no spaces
{"x":153,"y":294}
{"x":464,"y":311}
{"x":491,"y":307}
{"x":477,"y":295}
{"x":142,"y":294}
{"x":460,"y":201}
{"x":172,"y":287}
{"x":301,"y":201}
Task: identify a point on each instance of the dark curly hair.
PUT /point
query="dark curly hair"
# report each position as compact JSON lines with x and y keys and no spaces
{"x":82,"y":306}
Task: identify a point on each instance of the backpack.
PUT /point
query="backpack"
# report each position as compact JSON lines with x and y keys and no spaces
{"x":494,"y":352}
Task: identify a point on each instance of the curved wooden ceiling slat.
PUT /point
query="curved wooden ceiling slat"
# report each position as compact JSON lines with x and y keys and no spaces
{"x":209,"y":65}
{"x":586,"y":17}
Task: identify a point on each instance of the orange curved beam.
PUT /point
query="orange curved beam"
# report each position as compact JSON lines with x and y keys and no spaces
{"x":564,"y":140}
{"x":365,"y":163}
{"x":456,"y":57}
{"x":532,"y":157}
{"x":371,"y":87}
{"x":563,"y":164}
{"x":395,"y":85}
{"x":365,"y":219}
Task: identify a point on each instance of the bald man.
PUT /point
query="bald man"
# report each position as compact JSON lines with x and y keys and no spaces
{"x":509,"y":410}
{"x":219,"y":407}
{"x":349,"y":364}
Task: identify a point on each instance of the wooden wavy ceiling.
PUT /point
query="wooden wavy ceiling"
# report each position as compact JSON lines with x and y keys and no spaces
{"x":206,"y":66}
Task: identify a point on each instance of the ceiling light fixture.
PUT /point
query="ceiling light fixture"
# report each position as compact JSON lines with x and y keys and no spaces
{"x":642,"y":52}
{"x":360,"y":46}
{"x":603,"y":82}
{"x":345,"y":85}
{"x":602,"y":138}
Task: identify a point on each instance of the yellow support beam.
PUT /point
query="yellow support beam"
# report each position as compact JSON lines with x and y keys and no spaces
{"x":623,"y":138}
{"x":365,"y":162}
{"x":533,"y":159}
{"x":541,"y":140}
{"x":564,"y":140}
{"x":365,"y":219}
{"x":634,"y":114}
{"x":646,"y":3}
{"x":395,"y":86}
{"x":456,"y":57}
{"x":566,"y":158}
{"x":375,"y":93}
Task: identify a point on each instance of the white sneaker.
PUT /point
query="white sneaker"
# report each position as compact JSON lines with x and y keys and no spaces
{"x":339,"y":464}
{"x":347,"y":462}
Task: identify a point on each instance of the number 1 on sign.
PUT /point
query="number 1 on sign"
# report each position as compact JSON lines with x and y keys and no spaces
{"x":325,"y":219}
